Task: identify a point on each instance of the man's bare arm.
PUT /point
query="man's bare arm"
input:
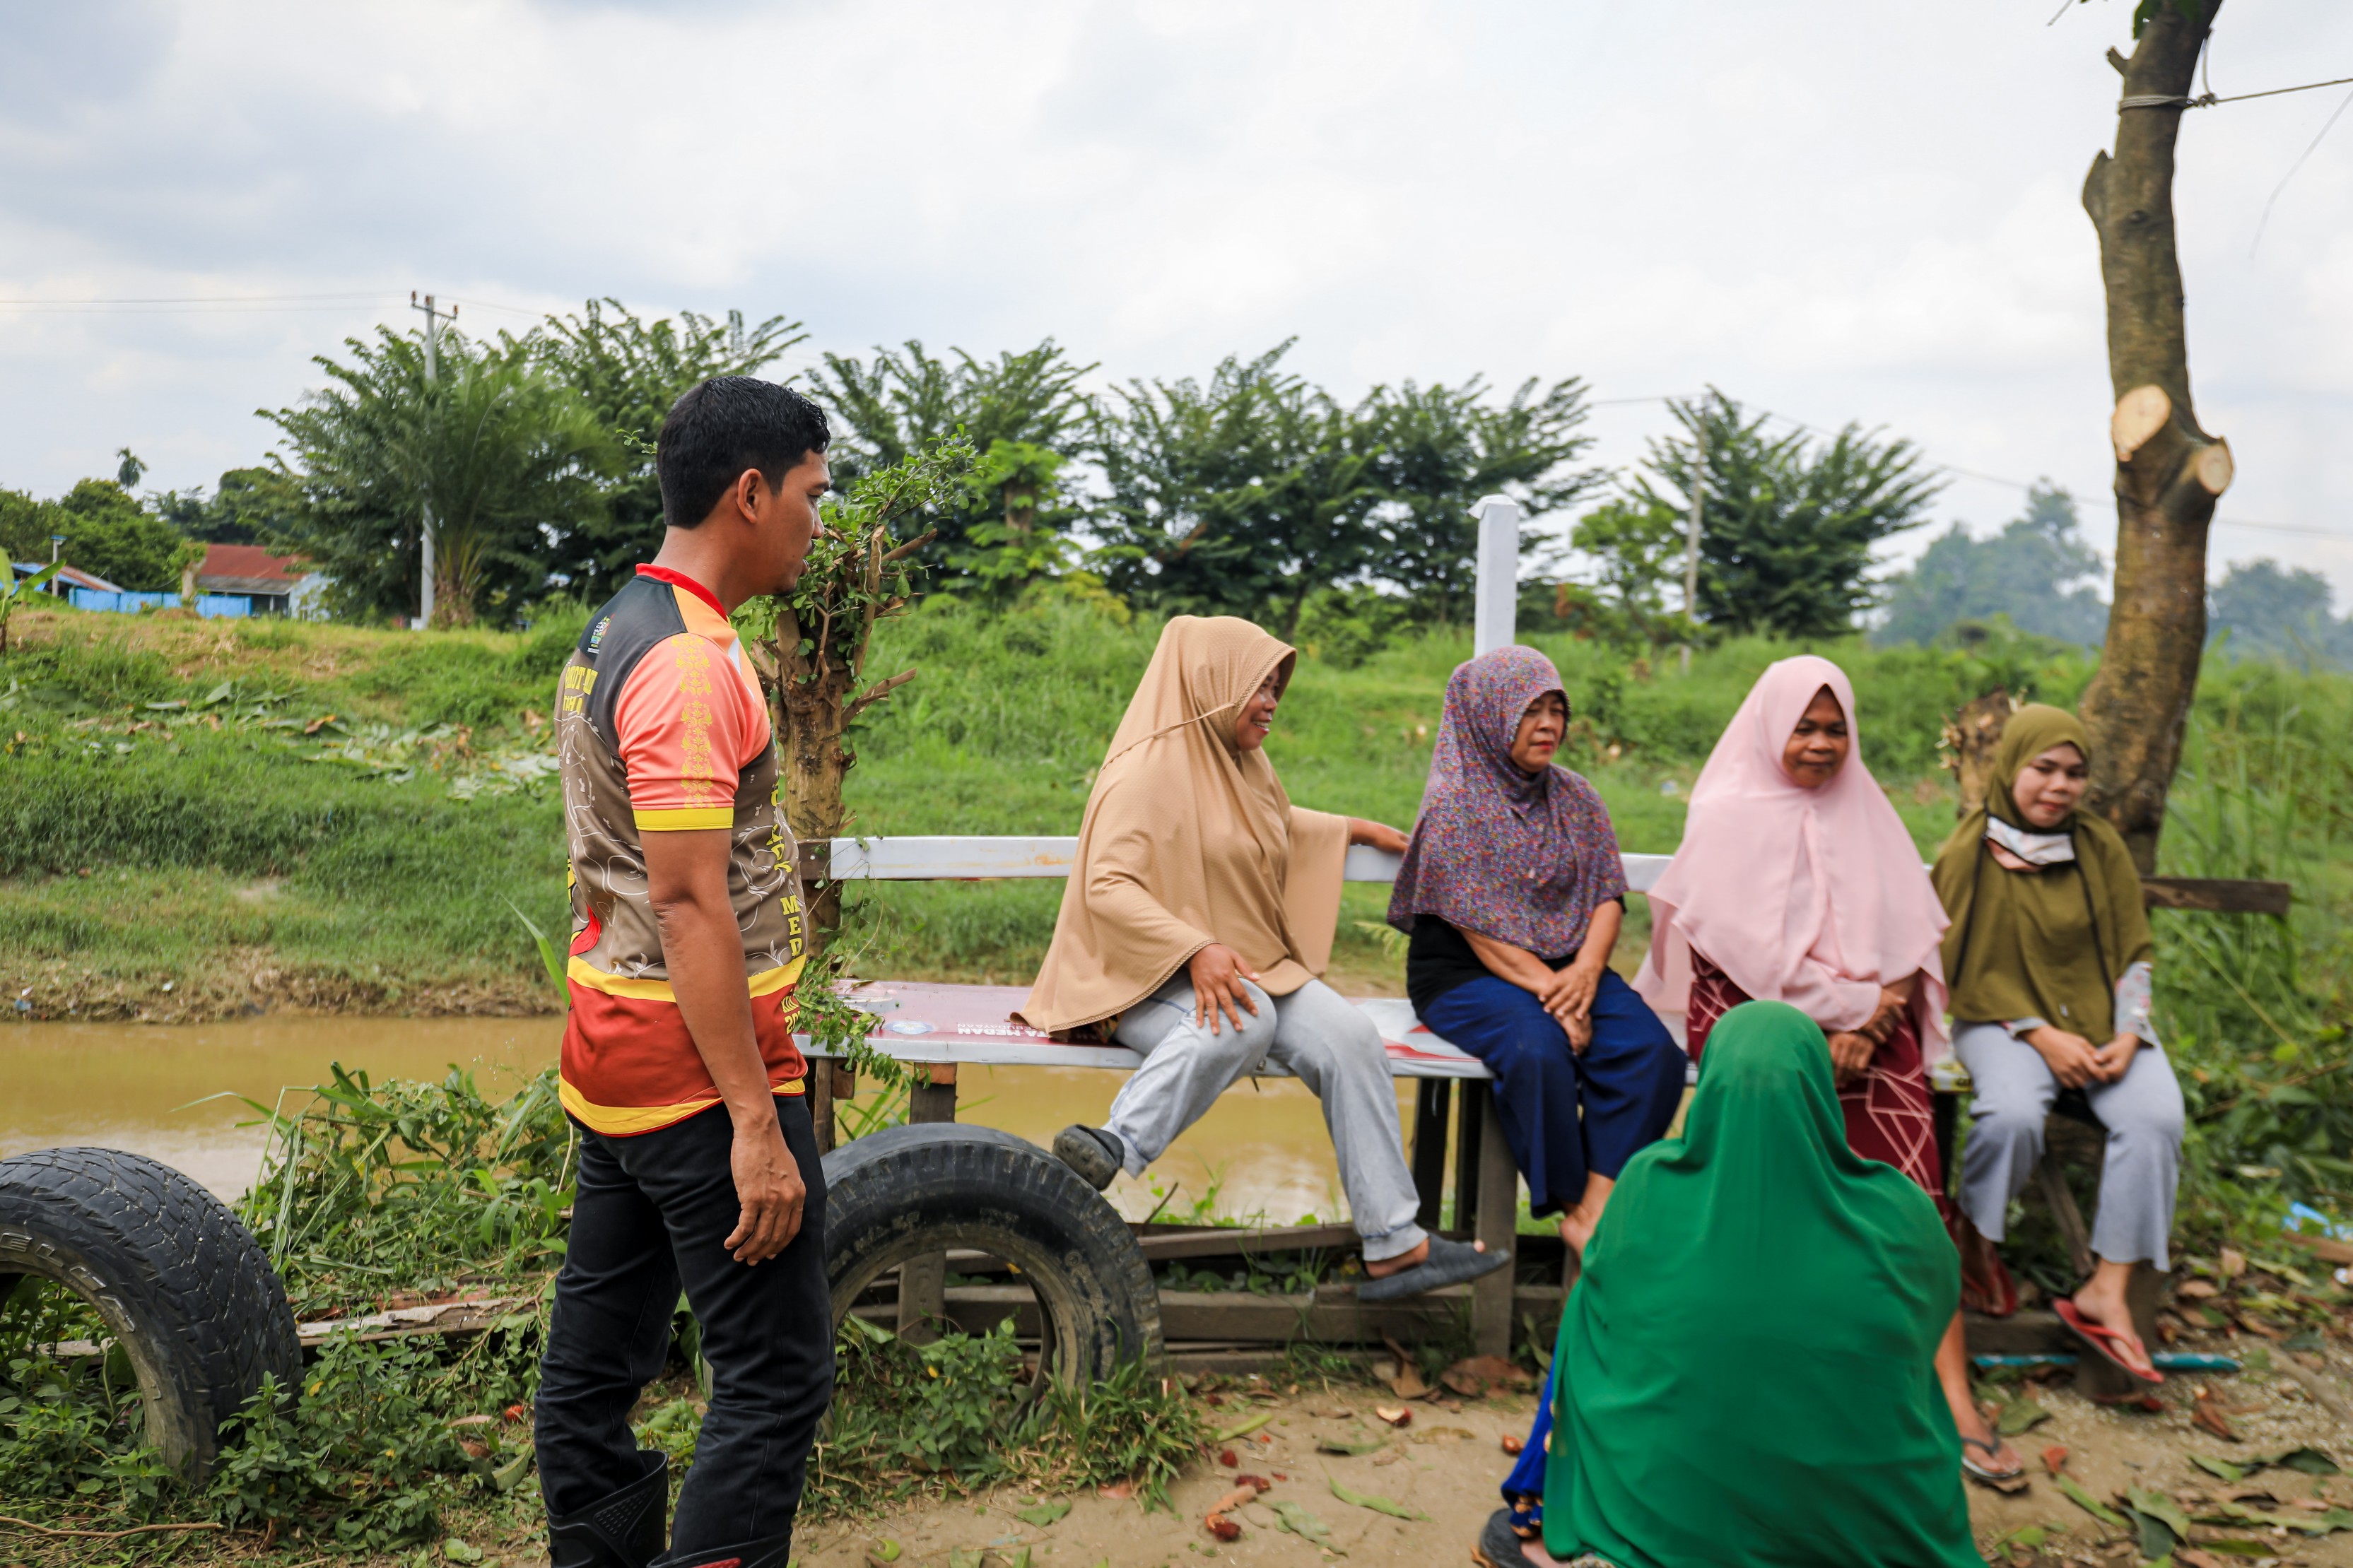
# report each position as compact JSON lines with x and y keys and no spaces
{"x":686,"y":882}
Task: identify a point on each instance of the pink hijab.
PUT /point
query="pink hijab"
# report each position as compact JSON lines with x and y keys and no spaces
{"x":1871,"y":915}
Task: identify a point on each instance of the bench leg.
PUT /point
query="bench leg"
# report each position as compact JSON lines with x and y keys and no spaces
{"x":820,"y":1102}
{"x":923,"y":1282}
{"x":1469,"y":1123}
{"x":1497,"y":1220}
{"x":1430,"y":1098}
{"x":2064,"y":1213}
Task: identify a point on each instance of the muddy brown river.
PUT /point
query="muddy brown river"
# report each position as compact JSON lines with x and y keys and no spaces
{"x":169,"y":1092}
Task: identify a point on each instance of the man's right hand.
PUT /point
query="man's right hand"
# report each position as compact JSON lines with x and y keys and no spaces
{"x":2071,"y":1057}
{"x":768,"y":1189}
{"x":1217,"y":973}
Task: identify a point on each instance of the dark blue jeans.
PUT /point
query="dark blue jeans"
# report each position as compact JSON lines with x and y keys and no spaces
{"x":653,"y":1214}
{"x":1567,"y":1115}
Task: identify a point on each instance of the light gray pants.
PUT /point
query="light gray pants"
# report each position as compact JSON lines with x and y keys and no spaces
{"x":1317,"y":1036}
{"x":2141,"y":1110}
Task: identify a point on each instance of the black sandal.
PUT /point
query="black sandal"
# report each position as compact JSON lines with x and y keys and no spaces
{"x":1999,"y":1480}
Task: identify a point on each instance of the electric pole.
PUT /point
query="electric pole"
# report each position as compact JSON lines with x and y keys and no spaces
{"x":433,"y":320}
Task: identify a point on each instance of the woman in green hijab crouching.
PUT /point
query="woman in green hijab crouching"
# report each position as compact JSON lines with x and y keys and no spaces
{"x":1745,"y":1377}
{"x":2048,"y":958}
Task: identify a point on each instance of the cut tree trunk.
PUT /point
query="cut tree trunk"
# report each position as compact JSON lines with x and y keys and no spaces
{"x":2170,"y":472}
{"x":1972,"y":736}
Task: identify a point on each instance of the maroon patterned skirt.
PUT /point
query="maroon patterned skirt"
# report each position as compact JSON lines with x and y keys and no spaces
{"x":1888,"y":1111}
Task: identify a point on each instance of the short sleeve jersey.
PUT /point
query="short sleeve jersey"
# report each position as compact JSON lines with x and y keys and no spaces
{"x":660,"y":728}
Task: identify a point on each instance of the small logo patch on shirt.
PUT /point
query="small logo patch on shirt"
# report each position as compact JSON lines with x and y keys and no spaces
{"x":596,"y":637}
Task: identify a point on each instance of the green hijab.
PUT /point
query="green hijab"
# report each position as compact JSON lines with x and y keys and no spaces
{"x":1743,"y":1372}
{"x":2048,"y":944}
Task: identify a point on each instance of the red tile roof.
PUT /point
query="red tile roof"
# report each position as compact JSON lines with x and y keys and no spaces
{"x":249,"y":561}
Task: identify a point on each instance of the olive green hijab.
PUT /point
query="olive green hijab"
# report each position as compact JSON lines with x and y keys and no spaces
{"x":2048,"y":944}
{"x":1744,"y":1377}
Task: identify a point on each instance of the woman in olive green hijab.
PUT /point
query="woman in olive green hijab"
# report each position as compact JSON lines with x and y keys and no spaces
{"x":2048,"y":958}
{"x":1744,"y":1374}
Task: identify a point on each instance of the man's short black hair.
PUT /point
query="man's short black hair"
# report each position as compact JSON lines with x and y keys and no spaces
{"x":723,"y":426}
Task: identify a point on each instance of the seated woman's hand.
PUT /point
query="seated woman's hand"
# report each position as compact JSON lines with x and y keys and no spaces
{"x":2071,"y":1059}
{"x":1568,"y":997}
{"x":1377,"y":835}
{"x":1217,"y":972}
{"x":1851,"y":1052}
{"x":2115,"y":1057}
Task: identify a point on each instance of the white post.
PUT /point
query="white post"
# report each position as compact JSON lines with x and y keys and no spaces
{"x":433,"y":320}
{"x":1496,"y":615}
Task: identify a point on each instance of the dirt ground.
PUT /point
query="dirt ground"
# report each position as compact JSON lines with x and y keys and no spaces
{"x":1448,"y":1465}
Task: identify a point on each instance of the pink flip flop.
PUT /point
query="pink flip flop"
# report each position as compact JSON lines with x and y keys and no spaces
{"x":2103,"y":1340}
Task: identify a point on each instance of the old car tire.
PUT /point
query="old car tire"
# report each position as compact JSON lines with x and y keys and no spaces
{"x":180,"y":1283}
{"x":910,"y":1191}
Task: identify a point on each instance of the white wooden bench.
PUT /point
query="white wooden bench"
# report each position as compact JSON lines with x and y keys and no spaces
{"x":941,"y":1027}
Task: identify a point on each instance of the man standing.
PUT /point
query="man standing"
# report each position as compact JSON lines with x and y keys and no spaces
{"x":698,"y":1162}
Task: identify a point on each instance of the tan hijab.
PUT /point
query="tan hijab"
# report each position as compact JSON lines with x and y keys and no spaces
{"x":1188,"y":839}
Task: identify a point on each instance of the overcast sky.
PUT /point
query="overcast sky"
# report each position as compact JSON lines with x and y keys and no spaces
{"x":1835,"y":209}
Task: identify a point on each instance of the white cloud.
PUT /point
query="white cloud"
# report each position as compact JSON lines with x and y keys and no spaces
{"x":1837,"y":209}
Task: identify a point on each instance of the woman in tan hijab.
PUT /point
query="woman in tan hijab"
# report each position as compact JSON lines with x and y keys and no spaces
{"x":1192,"y":931}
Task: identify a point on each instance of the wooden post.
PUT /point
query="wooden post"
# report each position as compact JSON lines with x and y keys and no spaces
{"x":1498,"y":1219}
{"x":923,"y":1282}
{"x":1430,"y":1098}
{"x":820,"y":1103}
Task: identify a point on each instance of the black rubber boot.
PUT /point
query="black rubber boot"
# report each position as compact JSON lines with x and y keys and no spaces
{"x":1094,"y":1153}
{"x":628,"y":1529}
{"x":773,"y":1552}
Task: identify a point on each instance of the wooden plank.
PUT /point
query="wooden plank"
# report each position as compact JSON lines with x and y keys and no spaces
{"x":1233,"y":1241}
{"x":467,"y":1316}
{"x":1331,"y":1315}
{"x":953,"y":857}
{"x":2021,"y":1333}
{"x":1499,"y":1213}
{"x":923,"y":1280}
{"x":2217,"y":895}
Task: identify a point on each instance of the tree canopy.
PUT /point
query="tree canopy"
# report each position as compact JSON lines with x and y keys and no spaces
{"x":2037,"y":570}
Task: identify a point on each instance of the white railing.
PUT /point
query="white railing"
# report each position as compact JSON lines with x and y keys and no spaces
{"x":981,"y":859}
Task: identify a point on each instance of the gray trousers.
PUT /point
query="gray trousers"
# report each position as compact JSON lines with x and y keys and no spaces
{"x":1318,"y":1037}
{"x":2142,"y":1111}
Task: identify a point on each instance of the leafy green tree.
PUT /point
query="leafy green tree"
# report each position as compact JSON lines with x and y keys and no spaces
{"x":2037,"y":570}
{"x":1638,"y":552}
{"x":508,"y":457}
{"x":2282,"y":612}
{"x":245,"y":508}
{"x":1023,"y":412}
{"x":1240,"y":497}
{"x":629,"y":370}
{"x":1786,"y":526}
{"x":108,"y":532}
{"x":1434,"y":452}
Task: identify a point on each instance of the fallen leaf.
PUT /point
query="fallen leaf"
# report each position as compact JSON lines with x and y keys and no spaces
{"x":458,"y":1551}
{"x":2207,"y":1418}
{"x":1514,"y":1444}
{"x":2159,"y":1506}
{"x":2195,"y":1289}
{"x":1338,"y":1412}
{"x":2233,"y":1263}
{"x":883,"y":1551}
{"x":1373,"y":1501}
{"x":2054,"y":1460}
{"x":2088,"y":1503}
{"x":1451,"y":1406}
{"x":1042,"y":1514}
{"x":1118,"y":1491}
{"x":1289,"y":1516}
{"x":1408,"y":1383}
{"x":1226,"y":1458}
{"x":1395,"y":1414}
{"x":2309,"y":1460}
{"x":1443,"y":1435}
{"x":1256,"y":1483}
{"x":1352,"y":1449}
{"x":1389,"y":1456}
{"x":2018,"y":1415}
{"x":2191,"y":1557}
{"x":2222,"y":1468}
{"x":475,"y":1421}
{"x":1473,"y":1376}
{"x":1245,"y":1428}
{"x":965,"y":1557}
{"x":1216,"y":1521}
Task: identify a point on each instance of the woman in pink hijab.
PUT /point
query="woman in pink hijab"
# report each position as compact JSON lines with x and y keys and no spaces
{"x":1797,"y":882}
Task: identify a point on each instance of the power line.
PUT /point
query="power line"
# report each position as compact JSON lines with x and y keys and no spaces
{"x":2208,"y":100}
{"x":250,"y":301}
